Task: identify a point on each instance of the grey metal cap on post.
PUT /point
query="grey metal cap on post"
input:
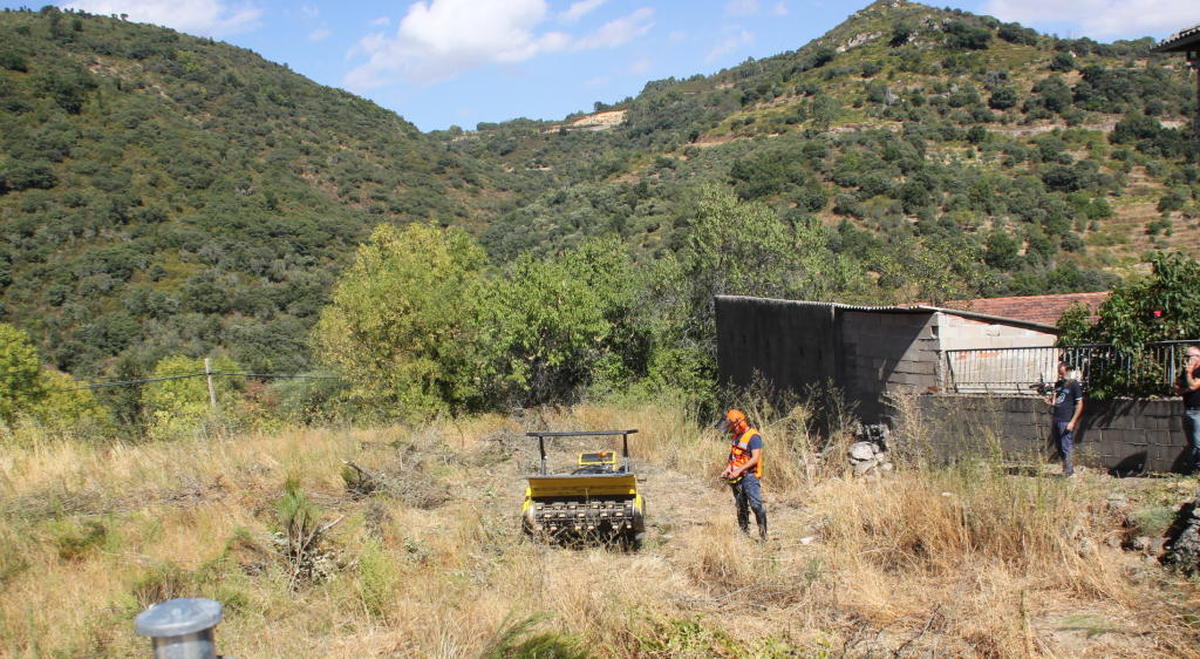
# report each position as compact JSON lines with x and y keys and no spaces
{"x":181,"y":628}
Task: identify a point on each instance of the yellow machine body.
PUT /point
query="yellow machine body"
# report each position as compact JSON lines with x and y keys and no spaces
{"x":599,"y":502}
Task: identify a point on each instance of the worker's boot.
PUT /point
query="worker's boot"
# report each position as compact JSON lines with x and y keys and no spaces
{"x":762,"y":528}
{"x":743,"y":520}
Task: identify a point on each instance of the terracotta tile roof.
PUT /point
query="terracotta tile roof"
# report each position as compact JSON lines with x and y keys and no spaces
{"x":1182,"y":41}
{"x":1044,"y":309}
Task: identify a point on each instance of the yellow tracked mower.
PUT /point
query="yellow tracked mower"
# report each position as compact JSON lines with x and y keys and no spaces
{"x":598,"y":502}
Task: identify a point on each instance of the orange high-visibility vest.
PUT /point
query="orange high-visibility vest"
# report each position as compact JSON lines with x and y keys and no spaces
{"x":739,"y":451}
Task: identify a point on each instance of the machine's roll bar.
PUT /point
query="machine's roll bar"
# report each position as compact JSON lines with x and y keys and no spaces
{"x":541,"y":437}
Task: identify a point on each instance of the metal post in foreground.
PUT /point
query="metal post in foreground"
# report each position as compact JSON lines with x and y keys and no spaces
{"x":181,"y":628}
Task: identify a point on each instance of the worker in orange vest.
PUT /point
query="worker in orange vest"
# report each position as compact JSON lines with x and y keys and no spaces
{"x":744,"y":470}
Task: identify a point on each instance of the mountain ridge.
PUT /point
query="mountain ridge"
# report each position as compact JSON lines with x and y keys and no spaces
{"x":163,"y":193}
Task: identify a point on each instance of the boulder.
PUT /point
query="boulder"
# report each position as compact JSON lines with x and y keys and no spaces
{"x":1117,"y":500}
{"x":864,"y":466}
{"x":860,"y":451}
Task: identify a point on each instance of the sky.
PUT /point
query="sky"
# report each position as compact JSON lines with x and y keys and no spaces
{"x":439,"y":63}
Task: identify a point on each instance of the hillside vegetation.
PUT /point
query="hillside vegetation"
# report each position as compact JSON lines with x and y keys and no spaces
{"x":167,"y":198}
{"x":424,"y":556}
{"x":163,"y":193}
{"x":1016,"y":162}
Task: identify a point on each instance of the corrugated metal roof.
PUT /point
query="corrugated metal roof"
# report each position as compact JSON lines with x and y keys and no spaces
{"x":1187,"y":39}
{"x":911,"y":308}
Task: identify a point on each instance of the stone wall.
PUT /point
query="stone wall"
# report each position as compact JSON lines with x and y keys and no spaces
{"x":1123,"y":436}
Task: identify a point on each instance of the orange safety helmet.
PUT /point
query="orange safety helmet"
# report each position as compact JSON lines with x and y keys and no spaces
{"x":733,"y":421}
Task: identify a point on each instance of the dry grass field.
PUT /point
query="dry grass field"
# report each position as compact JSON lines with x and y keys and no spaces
{"x":425,"y":558}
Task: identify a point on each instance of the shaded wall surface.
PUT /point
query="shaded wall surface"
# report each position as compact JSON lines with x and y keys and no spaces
{"x":1124,"y":436}
{"x":884,"y":352}
{"x":791,"y":344}
{"x":797,"y":345}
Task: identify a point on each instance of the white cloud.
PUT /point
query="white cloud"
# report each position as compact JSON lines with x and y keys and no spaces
{"x":438,"y":39}
{"x":201,"y":17}
{"x":319,"y":34}
{"x":620,"y":31}
{"x":1100,"y":18}
{"x":735,"y":39}
{"x":381,"y":21}
{"x":310,"y":11}
{"x":741,"y":7}
{"x":780,"y":9}
{"x":580,"y":9}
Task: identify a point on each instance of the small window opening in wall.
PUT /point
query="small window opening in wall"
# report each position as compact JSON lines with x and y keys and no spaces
{"x":933,"y":330}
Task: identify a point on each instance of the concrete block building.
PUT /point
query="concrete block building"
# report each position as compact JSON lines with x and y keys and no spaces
{"x":866,"y":351}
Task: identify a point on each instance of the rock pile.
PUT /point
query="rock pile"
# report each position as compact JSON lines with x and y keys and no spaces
{"x":1183,"y":546}
{"x":868,"y":455}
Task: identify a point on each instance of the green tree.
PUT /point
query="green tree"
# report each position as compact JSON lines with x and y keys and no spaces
{"x":1002,"y":250}
{"x":20,"y":383}
{"x":50,"y":398}
{"x":962,"y":36}
{"x":1074,"y":325}
{"x":1160,"y":307}
{"x":734,"y":248}
{"x":1003,"y":98}
{"x":402,"y":322}
{"x":558,"y":325}
{"x":67,"y":409}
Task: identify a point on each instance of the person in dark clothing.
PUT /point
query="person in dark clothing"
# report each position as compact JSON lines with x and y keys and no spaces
{"x":1066,"y":401}
{"x":1188,"y":386}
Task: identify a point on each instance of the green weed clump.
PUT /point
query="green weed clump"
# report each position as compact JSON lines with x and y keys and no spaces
{"x":379,"y":577}
{"x":522,"y":639}
{"x":1152,"y":521}
{"x":75,"y":541}
{"x":161,"y":582}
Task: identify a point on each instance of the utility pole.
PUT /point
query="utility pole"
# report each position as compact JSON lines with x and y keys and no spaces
{"x":212,"y":391}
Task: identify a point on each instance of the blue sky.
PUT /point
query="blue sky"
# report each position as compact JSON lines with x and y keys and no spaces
{"x":444,"y":62}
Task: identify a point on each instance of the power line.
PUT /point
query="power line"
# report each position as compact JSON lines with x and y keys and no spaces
{"x":301,"y":376}
{"x":126,"y":383}
{"x":164,"y":378}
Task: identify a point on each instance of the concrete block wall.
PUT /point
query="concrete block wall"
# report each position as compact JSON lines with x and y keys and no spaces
{"x":1124,"y":436}
{"x":960,"y":332}
{"x":885,"y":353}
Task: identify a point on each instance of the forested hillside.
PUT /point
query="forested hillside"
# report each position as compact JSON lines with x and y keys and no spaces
{"x":162,"y":193}
{"x":1009,"y":161}
{"x":167,"y":195}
